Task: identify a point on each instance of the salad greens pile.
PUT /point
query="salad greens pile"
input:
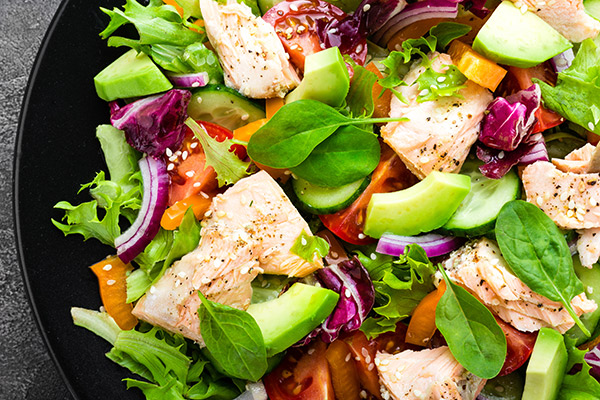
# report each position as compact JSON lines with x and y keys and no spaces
{"x":175,"y":104}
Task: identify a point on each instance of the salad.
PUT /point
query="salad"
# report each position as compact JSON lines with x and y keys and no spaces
{"x":381,"y":199}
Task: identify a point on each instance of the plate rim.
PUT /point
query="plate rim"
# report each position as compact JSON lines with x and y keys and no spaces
{"x":23,"y":113}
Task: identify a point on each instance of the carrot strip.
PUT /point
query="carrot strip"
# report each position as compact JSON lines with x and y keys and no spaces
{"x":173,"y":215}
{"x":112,"y":274}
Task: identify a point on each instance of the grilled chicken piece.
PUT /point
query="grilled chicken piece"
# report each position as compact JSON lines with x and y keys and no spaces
{"x":427,"y":374}
{"x":568,"y":17}
{"x":439,"y":133}
{"x":479,"y":267}
{"x":252,"y":56}
{"x":570,"y":199}
{"x":580,"y":161}
{"x":248,"y":230}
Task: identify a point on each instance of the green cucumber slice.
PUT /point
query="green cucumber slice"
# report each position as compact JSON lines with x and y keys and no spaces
{"x":327,"y":200}
{"x":477,"y":213}
{"x":223,"y":106}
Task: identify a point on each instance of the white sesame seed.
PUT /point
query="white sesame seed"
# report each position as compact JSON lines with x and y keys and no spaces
{"x":523,"y":9}
{"x":182,"y":274}
{"x":195,"y":84}
{"x":370,"y":367}
{"x":590,"y":289}
{"x":170,"y":167}
{"x":173,"y":158}
{"x":361,"y":236}
{"x":189,"y":174}
{"x":184,"y":155}
{"x":332,"y":31}
{"x":205,"y":280}
{"x":303,"y":241}
{"x":591,"y":126}
{"x":571,"y":204}
{"x":593,"y":202}
{"x":424,"y":92}
{"x":177,"y":153}
{"x":194,"y":145}
{"x":368,"y":359}
{"x":366,"y":7}
{"x":208,"y":213}
{"x":334,"y":255}
{"x":501,"y":155}
{"x":107,"y":267}
{"x":348,"y":293}
{"x":310,"y":351}
{"x":364,"y":352}
{"x":564,"y":196}
{"x":570,"y":213}
{"x":152,"y":289}
{"x":441,"y":79}
{"x":293,"y":7}
{"x":363,"y":394}
{"x":204,"y":195}
{"x":221,"y":213}
{"x":177,"y":283}
{"x":199,"y":99}
{"x":245,"y":117}
{"x":539,"y":200}
{"x":197,"y":184}
{"x":373,"y":256}
{"x":359,"y":48}
{"x":424,"y":160}
{"x":347,"y":357}
{"x":111,"y":282}
{"x":169,"y":152}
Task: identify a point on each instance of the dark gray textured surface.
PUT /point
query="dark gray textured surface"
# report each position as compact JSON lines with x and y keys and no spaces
{"x":26,"y":370}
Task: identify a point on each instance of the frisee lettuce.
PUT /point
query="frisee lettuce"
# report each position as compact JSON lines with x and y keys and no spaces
{"x":400,"y":284}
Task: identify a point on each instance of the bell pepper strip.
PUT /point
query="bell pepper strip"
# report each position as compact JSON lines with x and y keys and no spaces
{"x":272,"y":106}
{"x":173,"y":215}
{"x":381,"y":101}
{"x":245,"y":132}
{"x":112,"y":274}
{"x":421,"y":327}
{"x":363,"y":353}
{"x":476,"y":67}
{"x":344,"y":377}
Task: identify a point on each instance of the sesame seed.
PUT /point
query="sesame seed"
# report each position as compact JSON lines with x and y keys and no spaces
{"x":170,"y":167}
{"x":169,"y":152}
{"x":347,"y":357}
{"x":441,"y":79}
{"x":194,"y":145}
{"x":501,"y":155}
{"x":348,"y":293}
{"x":366,"y":7}
{"x":221,"y":214}
{"x":370,"y":367}
{"x":424,"y":160}
{"x":204,"y":195}
{"x":208,"y":213}
{"x":181,"y":274}
{"x":304,"y":242}
{"x":310,"y":351}
{"x":189,"y":174}
{"x":361,"y":236}
{"x":364,"y":352}
{"x":570,"y":213}
{"x":363,"y":394}
{"x":368,"y":359}
{"x":591,"y":126}
{"x":205,"y":280}
{"x":332,"y":31}
{"x":359,"y":48}
{"x":197,"y":184}
{"x":523,"y":9}
{"x":184,"y":155}
{"x":564,"y":196}
{"x":111,"y":282}
{"x":177,"y":283}
{"x":173,"y":158}
{"x":539,"y":201}
{"x":293,"y":7}
{"x":373,"y":256}
{"x":571,"y":204}
{"x":199,"y":99}
{"x":107,"y":267}
{"x":152,"y":289}
{"x":424,"y":92}
{"x":245,"y":117}
{"x":593,"y":202}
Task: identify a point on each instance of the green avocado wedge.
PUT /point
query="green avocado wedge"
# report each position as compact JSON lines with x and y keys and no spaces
{"x":523,"y":40}
{"x":293,"y":315}
{"x":420,"y":208}
{"x":546,"y":367}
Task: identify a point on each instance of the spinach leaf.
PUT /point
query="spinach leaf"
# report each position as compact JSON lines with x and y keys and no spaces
{"x":296,"y":129}
{"x":538,"y":254}
{"x":227,"y":165}
{"x":234,"y":339}
{"x":445,"y":32}
{"x":473,"y":335}
{"x":346,"y":156}
{"x":308,"y":247}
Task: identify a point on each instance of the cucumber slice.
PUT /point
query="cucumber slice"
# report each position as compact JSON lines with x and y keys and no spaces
{"x":327,"y":200}
{"x":477,"y":213}
{"x":223,"y":106}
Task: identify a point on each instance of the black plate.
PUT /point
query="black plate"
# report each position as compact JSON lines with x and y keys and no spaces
{"x":56,"y":151}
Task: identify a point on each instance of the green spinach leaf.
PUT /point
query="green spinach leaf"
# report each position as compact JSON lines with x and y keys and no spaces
{"x":446,"y":32}
{"x":296,"y":129}
{"x":308,"y":247}
{"x":473,"y":335}
{"x":346,"y":156}
{"x":538,"y":254}
{"x":234,"y":339}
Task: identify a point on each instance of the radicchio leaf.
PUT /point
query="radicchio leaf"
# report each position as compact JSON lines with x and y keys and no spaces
{"x":357,"y":296}
{"x":155,"y":123}
{"x":506,"y":135}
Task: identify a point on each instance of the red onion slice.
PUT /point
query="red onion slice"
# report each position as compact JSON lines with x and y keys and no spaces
{"x":563,"y":60}
{"x":418,"y":11}
{"x":592,"y":357}
{"x":154,"y":202}
{"x":433,"y":244}
{"x":194,"y":80}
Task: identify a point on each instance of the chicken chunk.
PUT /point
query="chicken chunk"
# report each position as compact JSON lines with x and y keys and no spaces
{"x":479,"y":267}
{"x":428,"y":374}
{"x":568,"y":17}
{"x":570,"y":199}
{"x":251,"y":54}
{"x":438,"y":134}
{"x":248,"y":230}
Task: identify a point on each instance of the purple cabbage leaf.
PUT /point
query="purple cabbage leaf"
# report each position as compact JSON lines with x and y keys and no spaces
{"x":506,"y":137}
{"x":350,"y":279}
{"x":154,"y":123}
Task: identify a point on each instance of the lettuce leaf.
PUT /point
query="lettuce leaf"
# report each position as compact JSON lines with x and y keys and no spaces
{"x":581,"y":385}
{"x":400,"y":284}
{"x":576,"y":95}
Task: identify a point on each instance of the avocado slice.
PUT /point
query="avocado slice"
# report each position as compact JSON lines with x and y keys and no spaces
{"x":520,"y":39}
{"x":293,"y":315}
{"x":130,"y":75}
{"x":325,"y":79}
{"x":420,"y":208}
{"x":546,"y":367}
{"x":590,"y":277}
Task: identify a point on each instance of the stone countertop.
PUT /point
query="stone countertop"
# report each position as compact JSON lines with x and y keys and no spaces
{"x":26,"y":370}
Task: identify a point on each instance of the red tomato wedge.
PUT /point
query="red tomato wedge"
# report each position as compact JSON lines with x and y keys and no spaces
{"x":390,"y":175}
{"x":519,"y":346}
{"x":302,"y":375}
{"x":344,"y":376}
{"x":363,"y":354}
{"x":187,"y":166}
{"x":295,"y":23}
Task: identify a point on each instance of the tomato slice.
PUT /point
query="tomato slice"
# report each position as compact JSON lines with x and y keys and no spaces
{"x":295,"y":21}
{"x":187,"y":166}
{"x":302,"y":375}
{"x":390,"y":175}
{"x":521,"y":78}
{"x":344,"y":376}
{"x":519,"y":346}
{"x":363,"y":353}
